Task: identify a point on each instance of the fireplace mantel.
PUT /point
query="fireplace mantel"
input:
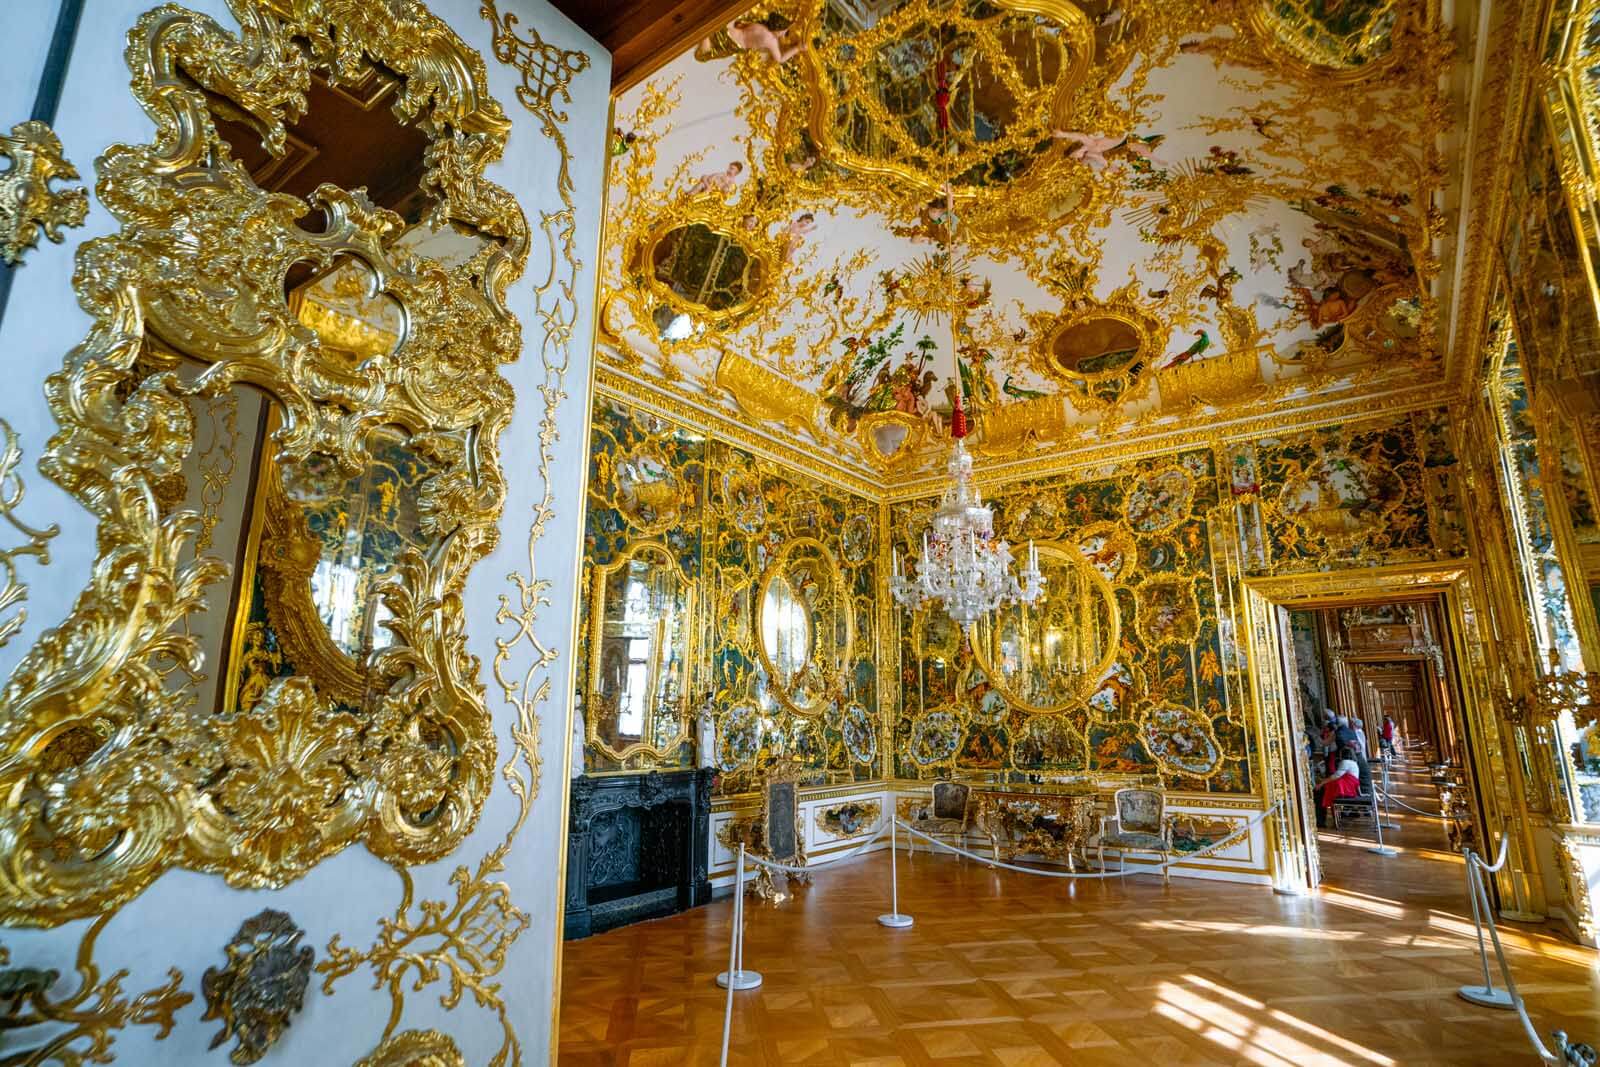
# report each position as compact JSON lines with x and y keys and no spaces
{"x":636,"y":848}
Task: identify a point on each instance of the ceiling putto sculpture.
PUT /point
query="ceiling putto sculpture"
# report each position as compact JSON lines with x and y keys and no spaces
{"x":1174,"y":215}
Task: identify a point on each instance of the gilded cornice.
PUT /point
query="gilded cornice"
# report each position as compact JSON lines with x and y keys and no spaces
{"x":680,"y":407}
{"x":1217,"y":431}
{"x":1268,"y":415}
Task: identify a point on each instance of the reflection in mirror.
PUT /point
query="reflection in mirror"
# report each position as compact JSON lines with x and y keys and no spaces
{"x":642,"y":610}
{"x":321,"y":543}
{"x":806,"y":626}
{"x":785,"y":628}
{"x":1049,"y":655}
{"x":707,"y":268}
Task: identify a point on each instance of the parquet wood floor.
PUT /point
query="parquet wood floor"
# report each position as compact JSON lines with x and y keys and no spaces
{"x":1001,"y":968}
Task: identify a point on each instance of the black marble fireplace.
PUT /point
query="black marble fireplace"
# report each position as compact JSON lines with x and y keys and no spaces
{"x":636,"y":848}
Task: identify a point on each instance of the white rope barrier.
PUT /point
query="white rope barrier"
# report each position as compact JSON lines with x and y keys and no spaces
{"x":1415,"y":811}
{"x":1481,"y":906}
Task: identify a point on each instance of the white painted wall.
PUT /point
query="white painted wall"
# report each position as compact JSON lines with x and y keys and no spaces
{"x":184,"y":919}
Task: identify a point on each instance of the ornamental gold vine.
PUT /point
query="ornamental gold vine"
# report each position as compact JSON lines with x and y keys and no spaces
{"x":465,"y":941}
{"x":109,"y":779}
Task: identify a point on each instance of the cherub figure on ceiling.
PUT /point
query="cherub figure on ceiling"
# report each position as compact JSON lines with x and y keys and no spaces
{"x":779,"y":46}
{"x":718,"y":181}
{"x":1100,"y":150}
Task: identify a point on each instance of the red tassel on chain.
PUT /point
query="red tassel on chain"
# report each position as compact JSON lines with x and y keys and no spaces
{"x":958,"y":420}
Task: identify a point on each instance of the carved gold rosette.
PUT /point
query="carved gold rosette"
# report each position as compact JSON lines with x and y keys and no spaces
{"x":109,"y":778}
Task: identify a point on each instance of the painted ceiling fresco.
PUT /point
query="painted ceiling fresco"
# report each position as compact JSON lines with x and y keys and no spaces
{"x":1106,"y":217}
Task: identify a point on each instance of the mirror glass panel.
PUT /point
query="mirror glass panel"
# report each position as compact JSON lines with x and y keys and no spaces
{"x":641,"y":624}
{"x":707,"y":268}
{"x":1049,"y":655}
{"x":806,"y":626}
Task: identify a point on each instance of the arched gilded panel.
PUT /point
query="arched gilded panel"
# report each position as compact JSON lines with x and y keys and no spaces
{"x":805,"y":626}
{"x":1050,"y":655}
{"x":109,"y":779}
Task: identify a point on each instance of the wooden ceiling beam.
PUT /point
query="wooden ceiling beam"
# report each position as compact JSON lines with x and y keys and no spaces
{"x":644,"y":35}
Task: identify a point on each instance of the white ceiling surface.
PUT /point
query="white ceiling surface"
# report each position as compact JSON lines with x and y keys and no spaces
{"x":1185,"y":92}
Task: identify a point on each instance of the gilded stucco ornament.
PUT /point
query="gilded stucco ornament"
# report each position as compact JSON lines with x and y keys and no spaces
{"x":108,"y":782}
{"x":29,"y":205}
{"x":415,"y":1048}
{"x":261,"y":988}
{"x":1102,"y":352}
{"x":80,"y":1025}
{"x":34,"y":543}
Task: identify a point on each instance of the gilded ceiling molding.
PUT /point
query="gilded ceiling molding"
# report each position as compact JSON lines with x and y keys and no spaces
{"x":688,"y":410}
{"x":1504,"y":98}
{"x":1220,"y":430}
{"x":35,"y":543}
{"x":29,"y":205}
{"x":763,"y":395}
{"x":109,"y":782}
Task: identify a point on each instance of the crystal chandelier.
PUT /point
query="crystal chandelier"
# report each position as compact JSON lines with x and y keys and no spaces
{"x":964,"y":566}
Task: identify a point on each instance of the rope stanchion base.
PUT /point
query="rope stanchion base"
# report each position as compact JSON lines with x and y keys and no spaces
{"x":895,"y":921}
{"x":739,"y":979}
{"x":1383,"y":850}
{"x":1486,"y":997}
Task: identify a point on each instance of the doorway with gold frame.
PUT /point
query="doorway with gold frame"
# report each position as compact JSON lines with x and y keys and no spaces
{"x":1495,"y":782}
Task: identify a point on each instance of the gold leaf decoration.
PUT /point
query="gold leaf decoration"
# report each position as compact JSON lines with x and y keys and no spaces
{"x":35,"y":543}
{"x":28,"y":204}
{"x":415,"y":1048}
{"x":111,"y":780}
{"x":80,"y":1026}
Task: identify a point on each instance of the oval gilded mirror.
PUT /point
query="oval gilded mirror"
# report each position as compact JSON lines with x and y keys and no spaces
{"x":641,"y":612}
{"x":699,"y":270}
{"x":805,"y":626}
{"x":1047,"y":656}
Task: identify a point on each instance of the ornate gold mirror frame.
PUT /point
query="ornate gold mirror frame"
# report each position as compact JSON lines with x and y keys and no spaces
{"x":110,"y":778}
{"x":684,"y":653}
{"x":825,"y":101}
{"x":833,"y":674}
{"x":1094,"y":584}
{"x":763,"y":256}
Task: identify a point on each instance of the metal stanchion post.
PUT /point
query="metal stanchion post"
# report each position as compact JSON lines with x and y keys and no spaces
{"x":1486,"y":995}
{"x":1387,"y":824}
{"x":736,"y":977}
{"x":894,"y":920}
{"x":1380,"y":849}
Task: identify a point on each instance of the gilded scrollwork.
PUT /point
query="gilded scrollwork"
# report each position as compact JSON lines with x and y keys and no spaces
{"x":35,"y":543}
{"x":110,"y":784}
{"x":29,"y":204}
{"x":415,"y":1048}
{"x":81,"y":1025}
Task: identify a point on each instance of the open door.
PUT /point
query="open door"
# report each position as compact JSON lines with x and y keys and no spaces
{"x":1296,"y":712}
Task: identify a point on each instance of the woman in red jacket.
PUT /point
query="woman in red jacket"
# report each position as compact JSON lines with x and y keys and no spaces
{"x":1344,"y":781}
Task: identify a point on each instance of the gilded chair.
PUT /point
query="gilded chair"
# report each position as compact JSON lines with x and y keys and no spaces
{"x":947,"y":816}
{"x":1138,"y":824}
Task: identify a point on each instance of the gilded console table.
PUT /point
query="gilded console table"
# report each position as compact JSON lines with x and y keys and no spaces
{"x":1019,"y":820}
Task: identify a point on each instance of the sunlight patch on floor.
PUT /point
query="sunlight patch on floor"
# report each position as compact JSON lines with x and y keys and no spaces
{"x":1248,"y":1027}
{"x":1349,"y":898}
{"x":1310,"y":933}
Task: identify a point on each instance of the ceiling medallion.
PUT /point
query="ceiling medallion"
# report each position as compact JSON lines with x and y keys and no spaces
{"x":906,"y":96}
{"x":1102,"y":351}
